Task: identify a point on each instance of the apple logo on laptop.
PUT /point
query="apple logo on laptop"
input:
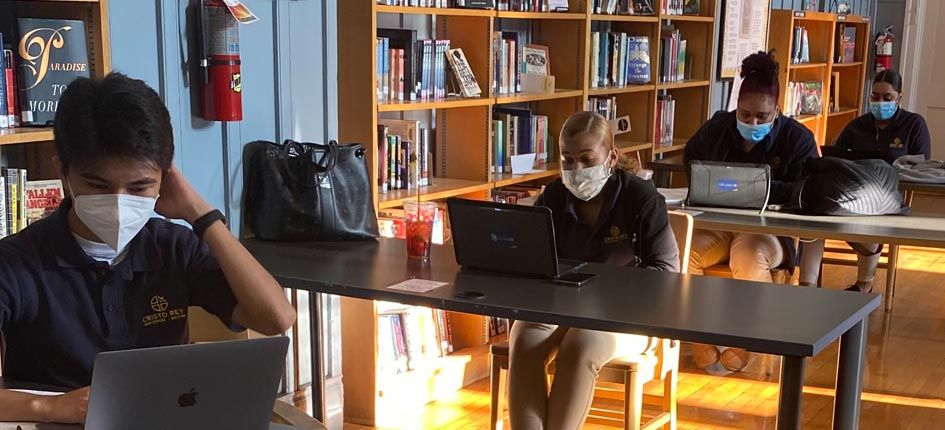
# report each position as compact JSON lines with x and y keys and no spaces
{"x":188,"y":399}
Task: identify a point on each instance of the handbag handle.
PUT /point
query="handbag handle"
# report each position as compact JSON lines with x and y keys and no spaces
{"x":331,"y":154}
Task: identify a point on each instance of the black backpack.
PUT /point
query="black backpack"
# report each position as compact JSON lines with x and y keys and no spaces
{"x":836,"y":186}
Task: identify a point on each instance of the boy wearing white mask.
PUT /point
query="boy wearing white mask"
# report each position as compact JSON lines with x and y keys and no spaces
{"x":100,"y":274}
{"x":754,"y":133}
{"x":602,"y":213}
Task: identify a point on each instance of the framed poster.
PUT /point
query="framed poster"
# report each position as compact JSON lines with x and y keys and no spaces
{"x":744,"y":31}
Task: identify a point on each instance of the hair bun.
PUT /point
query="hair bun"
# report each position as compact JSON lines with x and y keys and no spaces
{"x":760,"y":65}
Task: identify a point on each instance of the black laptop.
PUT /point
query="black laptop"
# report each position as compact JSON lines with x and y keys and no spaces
{"x":852,"y":154}
{"x":506,"y":238}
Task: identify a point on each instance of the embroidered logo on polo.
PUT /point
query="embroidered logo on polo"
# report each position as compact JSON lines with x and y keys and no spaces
{"x":615,"y":235}
{"x":161,"y":313}
{"x":158,"y":304}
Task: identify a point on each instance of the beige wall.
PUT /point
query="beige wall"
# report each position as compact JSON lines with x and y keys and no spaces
{"x":923,"y":67}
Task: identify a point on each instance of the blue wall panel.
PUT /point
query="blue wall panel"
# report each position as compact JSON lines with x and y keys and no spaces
{"x":288,"y":80}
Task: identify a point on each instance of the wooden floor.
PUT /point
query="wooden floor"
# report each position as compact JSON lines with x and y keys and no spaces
{"x":904,"y":376}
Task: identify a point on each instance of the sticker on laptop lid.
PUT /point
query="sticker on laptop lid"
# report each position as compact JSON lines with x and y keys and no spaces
{"x":727,"y":185}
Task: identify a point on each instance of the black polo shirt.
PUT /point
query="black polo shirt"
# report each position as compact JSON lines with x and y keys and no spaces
{"x":59,"y":308}
{"x":632,"y":229}
{"x":907,"y":134}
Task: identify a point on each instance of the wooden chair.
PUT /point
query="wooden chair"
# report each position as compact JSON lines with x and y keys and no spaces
{"x":632,"y":372}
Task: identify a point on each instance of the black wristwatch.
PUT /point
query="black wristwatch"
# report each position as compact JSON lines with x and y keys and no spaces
{"x":203,"y":223}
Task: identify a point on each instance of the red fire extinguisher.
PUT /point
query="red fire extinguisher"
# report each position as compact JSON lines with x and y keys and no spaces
{"x":220,"y":63}
{"x":884,"y":49}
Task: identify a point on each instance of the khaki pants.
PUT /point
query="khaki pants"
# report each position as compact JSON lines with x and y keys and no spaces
{"x":580,"y":356}
{"x":812,"y":253}
{"x":750,"y":256}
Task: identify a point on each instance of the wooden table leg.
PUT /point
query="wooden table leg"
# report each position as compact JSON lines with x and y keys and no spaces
{"x":892,"y":264}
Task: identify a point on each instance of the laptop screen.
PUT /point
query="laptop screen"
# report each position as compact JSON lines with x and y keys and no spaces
{"x":503,"y":238}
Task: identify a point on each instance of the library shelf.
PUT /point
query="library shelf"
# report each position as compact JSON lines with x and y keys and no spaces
{"x":442,"y":11}
{"x":624,"y":89}
{"x":442,"y":188}
{"x":506,"y":179}
{"x":23,"y":135}
{"x":534,"y":97}
{"x":447,"y":103}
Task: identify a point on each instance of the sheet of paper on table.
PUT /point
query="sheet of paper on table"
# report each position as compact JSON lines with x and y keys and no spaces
{"x":417,"y":285}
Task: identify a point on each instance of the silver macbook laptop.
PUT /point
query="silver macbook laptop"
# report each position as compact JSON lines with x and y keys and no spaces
{"x":223,"y":385}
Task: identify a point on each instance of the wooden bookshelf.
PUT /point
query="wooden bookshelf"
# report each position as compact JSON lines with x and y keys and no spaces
{"x":442,"y":188}
{"x":822,"y":33}
{"x":36,"y":142}
{"x":853,"y":77}
{"x":23,"y":135}
{"x":463,"y":134}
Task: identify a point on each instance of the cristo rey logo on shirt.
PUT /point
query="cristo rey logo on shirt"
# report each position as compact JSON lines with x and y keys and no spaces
{"x":158,"y":304}
{"x":615,"y":235}
{"x":161,"y":312}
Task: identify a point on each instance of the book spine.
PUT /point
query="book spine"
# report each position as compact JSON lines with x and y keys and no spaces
{"x":21,"y":189}
{"x":13,"y":99}
{"x":12,"y":177}
{"x":4,"y":119}
{"x":595,"y":43}
{"x":4,"y":232}
{"x":379,"y":67}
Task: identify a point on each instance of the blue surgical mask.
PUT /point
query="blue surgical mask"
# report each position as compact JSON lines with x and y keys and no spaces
{"x":754,"y":133}
{"x":883,"y":110}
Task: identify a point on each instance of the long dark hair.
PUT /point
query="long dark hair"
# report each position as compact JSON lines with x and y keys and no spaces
{"x":760,"y":74}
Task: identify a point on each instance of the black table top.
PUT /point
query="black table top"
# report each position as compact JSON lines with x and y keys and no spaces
{"x":769,"y":318}
{"x":915,"y":229}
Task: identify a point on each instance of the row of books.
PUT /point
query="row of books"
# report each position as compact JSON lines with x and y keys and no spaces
{"x":800,"y":52}
{"x":846,"y":43}
{"x":30,"y":87}
{"x":620,"y":59}
{"x":509,"y":62}
{"x":408,"y":337}
{"x":665,"y":121}
{"x":680,"y":7}
{"x":12,"y":201}
{"x":23,"y":202}
{"x":439,"y":3}
{"x":410,"y":69}
{"x":804,"y":98}
{"x":624,"y":7}
{"x":405,"y":155}
{"x":518,"y":132}
{"x":516,"y":195}
{"x":605,"y":106}
{"x":675,"y":64}
{"x":498,"y":326}
{"x":533,"y":5}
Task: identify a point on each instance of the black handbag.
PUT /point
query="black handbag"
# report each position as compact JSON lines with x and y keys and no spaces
{"x":308,"y":191}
